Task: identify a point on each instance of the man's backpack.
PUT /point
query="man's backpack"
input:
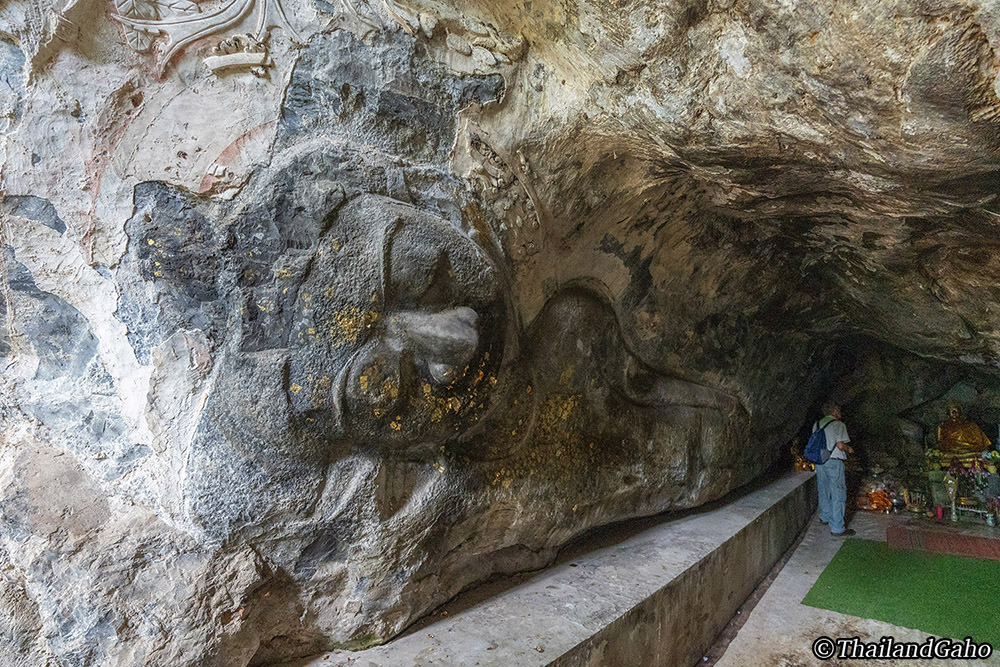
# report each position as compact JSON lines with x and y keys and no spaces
{"x":816,"y":451}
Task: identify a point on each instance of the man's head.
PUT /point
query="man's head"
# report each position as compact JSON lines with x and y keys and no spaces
{"x":832,"y":408}
{"x":954,"y":412}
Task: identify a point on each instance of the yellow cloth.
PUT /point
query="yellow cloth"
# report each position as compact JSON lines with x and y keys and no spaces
{"x":961,"y":439}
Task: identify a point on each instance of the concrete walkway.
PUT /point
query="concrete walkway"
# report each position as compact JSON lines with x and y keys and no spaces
{"x":780,"y":630}
{"x":655,"y":597}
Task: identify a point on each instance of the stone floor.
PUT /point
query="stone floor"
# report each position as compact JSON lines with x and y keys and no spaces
{"x":779,"y":630}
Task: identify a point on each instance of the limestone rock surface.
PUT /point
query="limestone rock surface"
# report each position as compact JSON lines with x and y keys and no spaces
{"x":315,"y":314}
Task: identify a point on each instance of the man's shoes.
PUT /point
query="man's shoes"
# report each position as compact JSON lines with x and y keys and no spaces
{"x":847,"y":532}
{"x":824,"y":522}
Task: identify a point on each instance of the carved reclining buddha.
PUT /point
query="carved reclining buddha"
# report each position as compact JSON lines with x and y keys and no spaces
{"x":381,"y":404}
{"x":326,"y":330}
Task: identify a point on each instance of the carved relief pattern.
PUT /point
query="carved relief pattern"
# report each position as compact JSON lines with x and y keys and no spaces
{"x":182,"y":22}
{"x":140,"y":38}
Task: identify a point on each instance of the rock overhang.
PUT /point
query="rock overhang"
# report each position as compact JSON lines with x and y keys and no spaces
{"x":620,"y":247}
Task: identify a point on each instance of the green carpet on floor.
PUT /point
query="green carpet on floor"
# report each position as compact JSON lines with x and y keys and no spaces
{"x":946,"y":596}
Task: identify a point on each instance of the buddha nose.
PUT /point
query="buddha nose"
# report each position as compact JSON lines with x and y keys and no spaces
{"x":445,"y":340}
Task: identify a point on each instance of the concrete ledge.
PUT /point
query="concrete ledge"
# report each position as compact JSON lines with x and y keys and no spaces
{"x":657,"y":598}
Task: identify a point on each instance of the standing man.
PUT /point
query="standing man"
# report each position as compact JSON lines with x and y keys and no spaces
{"x":830,"y":481}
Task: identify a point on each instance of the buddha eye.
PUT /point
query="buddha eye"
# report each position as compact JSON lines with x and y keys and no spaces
{"x":420,"y":271}
{"x":430,"y":265}
{"x":425,"y":282}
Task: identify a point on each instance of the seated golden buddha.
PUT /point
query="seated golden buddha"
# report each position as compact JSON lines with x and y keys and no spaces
{"x":959,"y":438}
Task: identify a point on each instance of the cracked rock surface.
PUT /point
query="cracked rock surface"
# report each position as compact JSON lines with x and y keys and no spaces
{"x":296,"y":349}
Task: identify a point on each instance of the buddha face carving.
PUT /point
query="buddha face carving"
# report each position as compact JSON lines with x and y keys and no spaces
{"x":397,"y":333}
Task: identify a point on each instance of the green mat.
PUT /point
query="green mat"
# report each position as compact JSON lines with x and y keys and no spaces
{"x":946,"y":596}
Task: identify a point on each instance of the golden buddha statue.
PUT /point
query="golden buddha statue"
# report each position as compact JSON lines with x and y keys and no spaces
{"x":799,"y":463}
{"x":959,"y":438}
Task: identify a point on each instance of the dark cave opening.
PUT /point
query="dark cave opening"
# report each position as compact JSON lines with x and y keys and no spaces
{"x":893,"y":401}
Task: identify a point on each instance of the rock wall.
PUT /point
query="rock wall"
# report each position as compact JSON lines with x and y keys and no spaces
{"x":315,"y":314}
